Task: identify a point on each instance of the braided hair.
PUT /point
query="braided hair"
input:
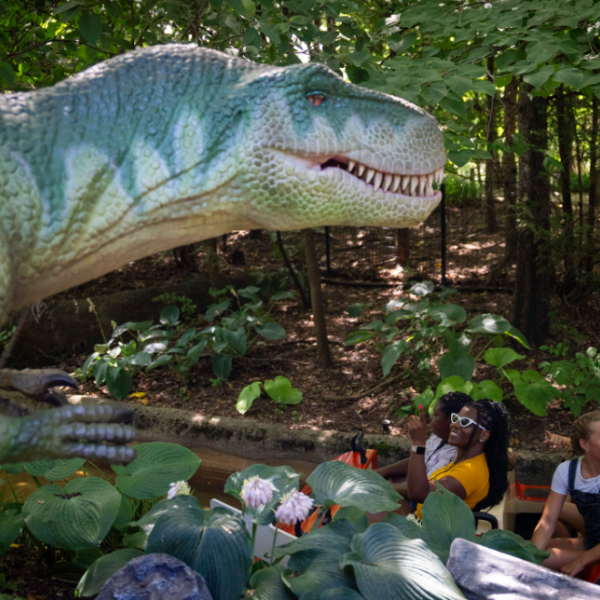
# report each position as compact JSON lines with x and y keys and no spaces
{"x":493,"y":416}
{"x":452,"y":402}
{"x":580,"y":430}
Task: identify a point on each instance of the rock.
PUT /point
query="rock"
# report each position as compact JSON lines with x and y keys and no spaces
{"x":484,"y":574}
{"x":155,"y":577}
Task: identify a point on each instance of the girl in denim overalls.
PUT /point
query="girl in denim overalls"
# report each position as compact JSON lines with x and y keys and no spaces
{"x":580,"y":478}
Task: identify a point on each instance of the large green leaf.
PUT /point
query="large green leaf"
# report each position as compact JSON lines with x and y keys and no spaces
{"x":488,"y":323}
{"x":271,"y":331}
{"x":267,"y":584}
{"x":500,"y":357}
{"x":336,"y":537}
{"x":91,"y":27}
{"x":391,"y":354}
{"x":445,"y":518}
{"x":247,"y":397}
{"x":125,"y":514}
{"x":74,"y":517}
{"x":460,"y":363}
{"x":63,"y":468}
{"x":283,"y":479}
{"x":388,"y":565}
{"x":341,"y":593}
{"x":336,"y":482}
{"x":357,"y":517}
{"x":532,"y":390}
{"x":37,"y":468}
{"x":280,"y":389}
{"x":447,"y":314}
{"x":488,"y":390}
{"x":11,"y":523}
{"x":513,"y":544}
{"x":215,"y":543}
{"x":157,"y":464}
{"x":103,"y":569}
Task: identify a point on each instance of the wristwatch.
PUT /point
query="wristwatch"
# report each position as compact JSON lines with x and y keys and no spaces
{"x":418,"y":449}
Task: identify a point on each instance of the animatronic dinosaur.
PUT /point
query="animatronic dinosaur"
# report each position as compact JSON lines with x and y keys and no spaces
{"x":173,"y":144}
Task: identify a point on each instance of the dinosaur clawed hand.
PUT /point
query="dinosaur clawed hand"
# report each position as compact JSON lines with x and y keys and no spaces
{"x":95,"y":432}
{"x":38,"y":383}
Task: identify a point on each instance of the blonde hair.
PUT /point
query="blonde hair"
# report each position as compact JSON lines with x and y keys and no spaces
{"x":580,"y":430}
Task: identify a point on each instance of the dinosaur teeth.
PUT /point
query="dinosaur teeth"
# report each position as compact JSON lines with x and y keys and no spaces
{"x":408,"y":185}
{"x":377,"y":180}
{"x":387,"y":180}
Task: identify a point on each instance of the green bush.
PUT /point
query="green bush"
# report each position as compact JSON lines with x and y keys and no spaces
{"x":462,"y":191}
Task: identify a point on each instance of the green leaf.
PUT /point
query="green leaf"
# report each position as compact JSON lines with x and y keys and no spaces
{"x":125,"y":514}
{"x":422,"y":289}
{"x":221,"y":365}
{"x":7,"y":73}
{"x":217,"y":310}
{"x":250,"y":8}
{"x":358,"y":337}
{"x":487,"y":390}
{"x":118,"y":381}
{"x":539,"y":78}
{"x":460,"y":158}
{"x":532,"y":390}
{"x":141,"y":359}
{"x":513,"y":544}
{"x":90,"y":26}
{"x":11,"y":523}
{"x":73,"y":518}
{"x":215,"y":543}
{"x":459,"y":363}
{"x":500,"y":357}
{"x":445,"y":518}
{"x":447,"y":314}
{"x":103,"y":569}
{"x":459,"y":84}
{"x":65,"y":7}
{"x":355,"y":309}
{"x":63,"y":468}
{"x":336,"y":482}
{"x":483,"y":87}
{"x":358,"y":58}
{"x":280,"y":389}
{"x":488,"y":323}
{"x":388,"y":565}
{"x":157,"y":464}
{"x":453,"y":383}
{"x":236,"y":340}
{"x":514,"y":333}
{"x":456,"y":107}
{"x":357,"y":517}
{"x":271,"y":331}
{"x":247,"y":396}
{"x":170,"y":315}
{"x":37,"y":468}
{"x":391,"y":354}
{"x":570,"y":76}
{"x":267,"y":584}
{"x":284,"y":479}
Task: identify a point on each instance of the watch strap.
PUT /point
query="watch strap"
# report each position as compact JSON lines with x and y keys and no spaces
{"x":418,"y":449}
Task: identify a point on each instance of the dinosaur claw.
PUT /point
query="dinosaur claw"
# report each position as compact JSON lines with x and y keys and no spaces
{"x":35,"y":382}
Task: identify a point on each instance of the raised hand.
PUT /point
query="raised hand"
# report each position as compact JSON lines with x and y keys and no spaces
{"x":417,"y":428}
{"x":94,"y":432}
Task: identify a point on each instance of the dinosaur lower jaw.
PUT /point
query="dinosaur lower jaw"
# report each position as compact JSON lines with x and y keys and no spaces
{"x":407,"y":185}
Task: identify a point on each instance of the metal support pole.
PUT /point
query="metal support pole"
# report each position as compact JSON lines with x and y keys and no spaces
{"x":443,"y":233}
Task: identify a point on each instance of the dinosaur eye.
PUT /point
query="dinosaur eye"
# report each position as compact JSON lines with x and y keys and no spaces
{"x":315,"y":99}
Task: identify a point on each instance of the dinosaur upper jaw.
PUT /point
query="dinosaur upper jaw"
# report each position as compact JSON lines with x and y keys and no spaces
{"x":375,"y":181}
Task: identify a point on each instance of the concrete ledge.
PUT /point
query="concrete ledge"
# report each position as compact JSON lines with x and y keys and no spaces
{"x":251,"y":439}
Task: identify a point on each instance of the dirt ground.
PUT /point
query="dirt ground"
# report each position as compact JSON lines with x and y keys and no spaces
{"x":365,"y":257}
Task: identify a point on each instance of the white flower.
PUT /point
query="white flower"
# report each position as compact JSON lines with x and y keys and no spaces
{"x":294,"y":506}
{"x":414,"y":519}
{"x":487,"y":5}
{"x":180,"y":488}
{"x":256,"y":491}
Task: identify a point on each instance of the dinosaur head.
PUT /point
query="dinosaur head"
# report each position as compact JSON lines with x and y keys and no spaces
{"x":320,"y":151}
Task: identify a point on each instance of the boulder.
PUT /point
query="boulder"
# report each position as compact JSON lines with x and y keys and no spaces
{"x":484,"y":574}
{"x":155,"y":577}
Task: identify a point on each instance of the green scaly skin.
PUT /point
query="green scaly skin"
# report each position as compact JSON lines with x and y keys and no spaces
{"x":173,"y":144}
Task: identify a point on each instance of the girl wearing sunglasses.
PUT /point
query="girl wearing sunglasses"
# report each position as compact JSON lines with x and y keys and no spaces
{"x":478,"y":475}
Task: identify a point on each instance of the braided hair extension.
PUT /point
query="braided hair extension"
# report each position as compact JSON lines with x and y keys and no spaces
{"x":452,"y":402}
{"x":493,"y":416}
{"x":580,"y":430}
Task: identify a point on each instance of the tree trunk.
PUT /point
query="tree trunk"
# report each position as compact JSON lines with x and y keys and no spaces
{"x":565,"y":151}
{"x":533,"y":281}
{"x":509,"y":168}
{"x":593,"y":195}
{"x":491,"y":223}
{"x":403,"y":246}
{"x":314,"y":281}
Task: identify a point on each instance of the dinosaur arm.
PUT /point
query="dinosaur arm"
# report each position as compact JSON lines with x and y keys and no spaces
{"x":68,"y":432}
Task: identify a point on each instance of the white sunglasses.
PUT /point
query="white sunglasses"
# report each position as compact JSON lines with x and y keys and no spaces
{"x":465,"y":421}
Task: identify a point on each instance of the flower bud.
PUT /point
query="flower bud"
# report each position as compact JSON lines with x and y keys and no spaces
{"x":256,"y":491}
{"x":294,"y":506}
{"x":181,"y":488}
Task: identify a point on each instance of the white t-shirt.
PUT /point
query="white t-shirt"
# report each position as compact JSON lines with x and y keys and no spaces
{"x":436,"y":457}
{"x":560,"y":480}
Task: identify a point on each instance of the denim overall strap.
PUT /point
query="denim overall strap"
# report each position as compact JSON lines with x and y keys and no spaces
{"x":588,"y":505}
